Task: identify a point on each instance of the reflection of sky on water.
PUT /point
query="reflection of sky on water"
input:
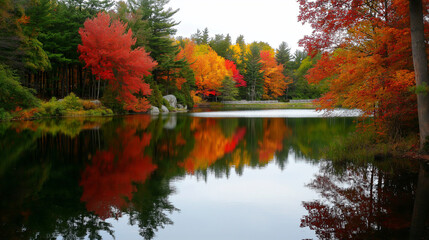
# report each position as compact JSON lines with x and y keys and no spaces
{"x":282,"y":113}
{"x":263,"y":203}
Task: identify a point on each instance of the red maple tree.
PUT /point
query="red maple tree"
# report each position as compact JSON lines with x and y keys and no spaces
{"x":238,"y":78}
{"x":106,"y":49}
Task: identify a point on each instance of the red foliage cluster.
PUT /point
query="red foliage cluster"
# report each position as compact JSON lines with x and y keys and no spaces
{"x":106,"y":49}
{"x":238,"y":78}
{"x":366,"y":60}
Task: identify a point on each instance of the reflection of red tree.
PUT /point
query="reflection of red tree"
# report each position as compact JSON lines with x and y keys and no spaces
{"x":275,"y":131}
{"x":210,"y":144}
{"x":108,"y":182}
{"x":238,"y":136}
{"x":360,"y":204}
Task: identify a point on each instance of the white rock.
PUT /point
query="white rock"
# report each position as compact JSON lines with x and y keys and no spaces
{"x":164,"y":109}
{"x":172,"y":100}
{"x":154,"y":110}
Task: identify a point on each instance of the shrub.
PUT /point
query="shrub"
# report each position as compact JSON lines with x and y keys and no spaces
{"x":52,"y":108}
{"x":72,"y":102}
{"x":26,"y":114}
{"x":184,"y":96}
{"x":110,"y":100}
{"x":167,"y":104}
{"x":156,"y":98}
{"x":4,"y":115}
{"x":13,"y":94}
{"x":87,"y":105}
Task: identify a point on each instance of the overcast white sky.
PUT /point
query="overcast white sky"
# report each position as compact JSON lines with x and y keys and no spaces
{"x":271,"y":21}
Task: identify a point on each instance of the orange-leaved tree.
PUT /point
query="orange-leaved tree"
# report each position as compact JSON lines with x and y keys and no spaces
{"x":106,"y":49}
{"x":209,"y":69}
{"x":275,"y":83}
{"x":186,"y":53}
{"x":366,"y":59}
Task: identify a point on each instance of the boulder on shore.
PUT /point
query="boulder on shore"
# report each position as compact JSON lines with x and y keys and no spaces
{"x":164,"y":109}
{"x":96,"y":103}
{"x":172,"y":100}
{"x":154,"y":110}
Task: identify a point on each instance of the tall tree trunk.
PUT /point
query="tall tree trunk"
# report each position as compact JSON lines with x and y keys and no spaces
{"x":98,"y":89}
{"x":420,"y":68}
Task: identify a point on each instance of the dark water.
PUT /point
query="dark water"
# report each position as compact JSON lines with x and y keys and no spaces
{"x":184,"y":177}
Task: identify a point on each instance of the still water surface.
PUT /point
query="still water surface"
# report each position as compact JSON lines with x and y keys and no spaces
{"x":197,"y":177}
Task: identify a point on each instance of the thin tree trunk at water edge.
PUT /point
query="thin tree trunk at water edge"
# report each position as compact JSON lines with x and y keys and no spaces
{"x":420,"y":68}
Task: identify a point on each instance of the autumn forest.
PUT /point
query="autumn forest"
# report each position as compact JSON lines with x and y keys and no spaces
{"x":87,"y":147}
{"x":126,"y":54}
{"x":54,"y":48}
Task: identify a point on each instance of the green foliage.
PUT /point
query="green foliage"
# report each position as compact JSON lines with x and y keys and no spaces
{"x":110,"y":100}
{"x":283,"y":54}
{"x":366,"y":145}
{"x":4,"y":115}
{"x":228,"y":90}
{"x":36,"y":58}
{"x":155,"y":98}
{"x":423,"y":88}
{"x":72,"y":106}
{"x":13,"y":94}
{"x":156,"y":28}
{"x":167,"y":104}
{"x":254,"y":76}
{"x":99,"y":112}
{"x":72,"y":102}
{"x":201,"y":37}
{"x":220,"y":44}
{"x":52,"y":108}
{"x":184,"y":97}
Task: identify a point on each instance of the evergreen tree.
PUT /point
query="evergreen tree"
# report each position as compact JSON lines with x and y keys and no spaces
{"x":228,"y":90}
{"x":283,"y":54}
{"x":159,"y":29}
{"x":205,"y":38}
{"x":254,"y":76}
{"x":220,"y":44}
{"x":196,"y":37}
{"x":240,"y":41}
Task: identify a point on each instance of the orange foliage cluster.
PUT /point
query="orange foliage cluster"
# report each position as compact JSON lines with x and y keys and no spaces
{"x":185,"y":53}
{"x":372,"y":68}
{"x":209,"y":69}
{"x":24,"y":114}
{"x":275,"y":131}
{"x":108,"y":182}
{"x":275,"y":83}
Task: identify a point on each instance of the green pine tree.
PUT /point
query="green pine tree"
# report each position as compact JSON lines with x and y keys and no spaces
{"x":228,"y":90}
{"x":254,"y":76}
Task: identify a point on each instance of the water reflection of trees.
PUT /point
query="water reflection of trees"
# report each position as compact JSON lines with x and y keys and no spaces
{"x":67,"y":176}
{"x":366,"y":201}
{"x":420,"y":221}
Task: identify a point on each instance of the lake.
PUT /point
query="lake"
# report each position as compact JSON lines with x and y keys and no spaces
{"x":217,"y":175}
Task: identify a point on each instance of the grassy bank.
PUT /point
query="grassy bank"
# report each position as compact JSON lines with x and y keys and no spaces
{"x":364,"y":146}
{"x":254,"y":106}
{"x":70,"y":106}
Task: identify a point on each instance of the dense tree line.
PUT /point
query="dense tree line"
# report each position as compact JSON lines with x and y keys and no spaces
{"x":39,"y":47}
{"x":366,"y":60}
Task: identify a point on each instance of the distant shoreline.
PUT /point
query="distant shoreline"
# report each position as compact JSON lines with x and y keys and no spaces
{"x":242,"y":105}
